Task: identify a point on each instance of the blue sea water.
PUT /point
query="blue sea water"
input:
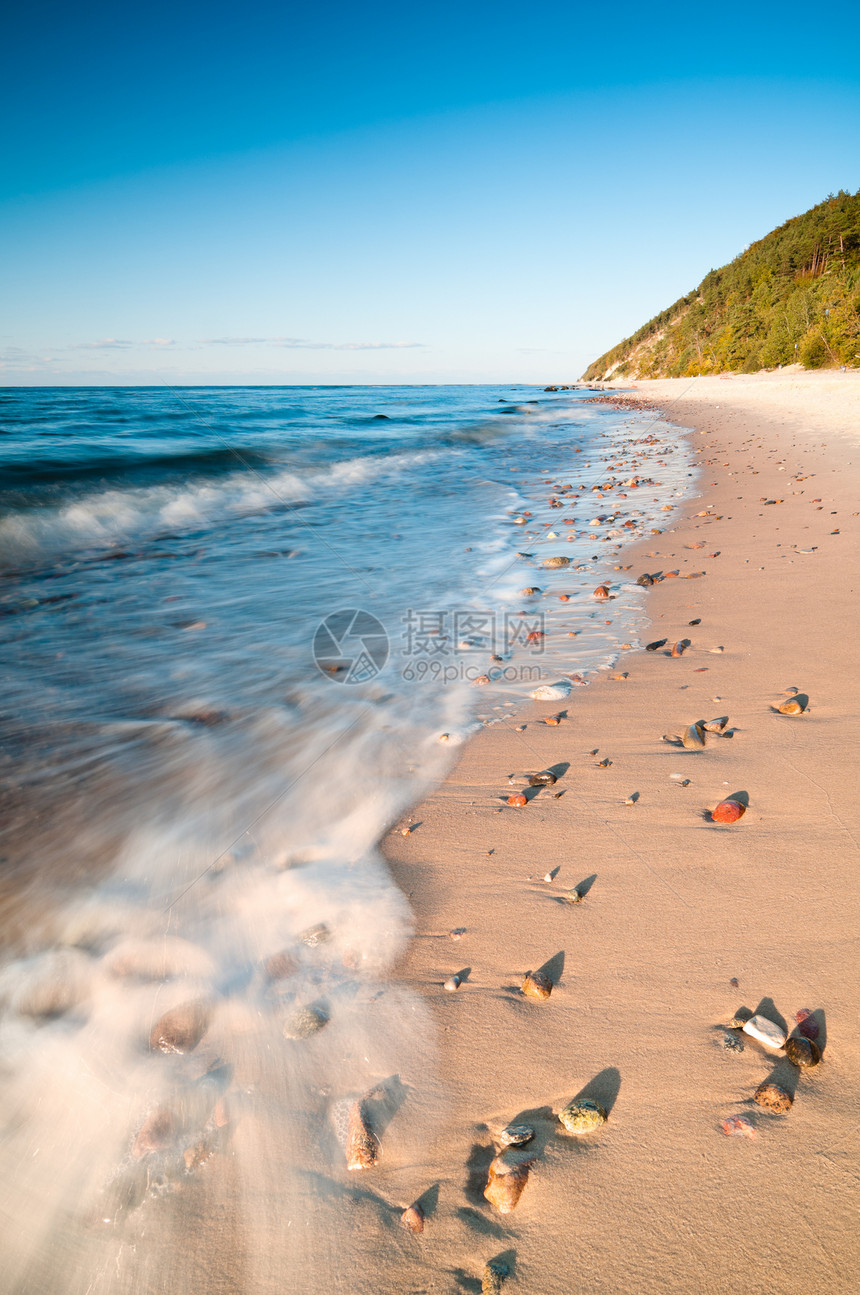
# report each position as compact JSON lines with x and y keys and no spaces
{"x":241,"y":630}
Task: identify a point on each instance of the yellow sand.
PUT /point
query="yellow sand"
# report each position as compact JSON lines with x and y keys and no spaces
{"x":659,"y":1199}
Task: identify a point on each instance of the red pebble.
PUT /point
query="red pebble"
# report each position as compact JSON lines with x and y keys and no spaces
{"x":806,"y":1023}
{"x":519,"y":801}
{"x":728,"y":811}
{"x":601,"y":591}
{"x":738,"y":1126}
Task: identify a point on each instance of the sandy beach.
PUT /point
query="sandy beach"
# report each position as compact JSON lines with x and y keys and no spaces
{"x":686,"y":923}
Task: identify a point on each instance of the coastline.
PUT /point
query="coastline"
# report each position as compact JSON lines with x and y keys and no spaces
{"x":678,"y":906}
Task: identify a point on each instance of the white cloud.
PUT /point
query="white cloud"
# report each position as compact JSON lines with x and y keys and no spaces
{"x":103,"y":344}
{"x":235,"y":341}
{"x":120,"y":344}
{"x":304,"y":344}
{"x":16,"y":358}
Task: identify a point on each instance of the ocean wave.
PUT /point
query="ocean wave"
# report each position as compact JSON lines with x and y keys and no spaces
{"x":59,"y":472}
{"x":113,"y":516}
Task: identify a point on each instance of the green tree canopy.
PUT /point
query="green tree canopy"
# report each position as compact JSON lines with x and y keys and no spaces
{"x":794,"y":296}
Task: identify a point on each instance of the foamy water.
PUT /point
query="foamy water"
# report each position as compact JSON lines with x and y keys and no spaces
{"x":195,"y":786}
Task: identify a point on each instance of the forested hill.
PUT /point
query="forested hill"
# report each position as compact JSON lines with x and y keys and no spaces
{"x":792,"y":296}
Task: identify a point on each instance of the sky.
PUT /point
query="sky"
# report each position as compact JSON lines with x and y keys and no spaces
{"x":276,"y":193}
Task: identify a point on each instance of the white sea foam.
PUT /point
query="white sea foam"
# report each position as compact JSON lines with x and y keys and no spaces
{"x":114,"y":516}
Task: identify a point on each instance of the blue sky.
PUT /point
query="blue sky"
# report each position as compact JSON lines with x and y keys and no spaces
{"x":392,"y":194}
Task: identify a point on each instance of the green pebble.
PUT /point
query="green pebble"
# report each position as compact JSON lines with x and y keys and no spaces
{"x":582,"y":1116}
{"x":304,"y":1023}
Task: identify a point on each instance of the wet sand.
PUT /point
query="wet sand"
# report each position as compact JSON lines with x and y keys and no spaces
{"x":677,"y":907}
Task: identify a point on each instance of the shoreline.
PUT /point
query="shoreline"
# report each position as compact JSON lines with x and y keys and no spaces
{"x":676,"y":907}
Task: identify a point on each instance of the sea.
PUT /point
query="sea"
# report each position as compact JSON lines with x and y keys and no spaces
{"x":243,"y":630}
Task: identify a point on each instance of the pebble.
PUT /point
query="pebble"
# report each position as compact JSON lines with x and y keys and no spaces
{"x":412,"y":1219}
{"x":556,"y":562}
{"x":582,"y":1116}
{"x":658,"y":643}
{"x":792,"y":707}
{"x":515,"y":1135}
{"x":280,"y":965}
{"x":544,"y":779}
{"x":773,"y":1098}
{"x":362,"y":1144}
{"x":693,"y":738}
{"x":536,"y":984}
{"x":156,"y":1133}
{"x":738,"y":1126}
{"x":314,"y":935}
{"x":601,"y":592}
{"x":519,"y":801}
{"x":728,"y":811}
{"x":452,"y":983}
{"x":806,"y":1023}
{"x":304,"y":1023}
{"x":492,"y":1277}
{"x":51,"y":983}
{"x":155,"y":960}
{"x":552,"y":691}
{"x":803,"y":1052}
{"x":731,"y":1042}
{"x":759,"y":1027}
{"x":574,"y":896}
{"x":197,"y":1155}
{"x":679,"y":648}
{"x":180,"y":1029}
{"x":506,"y":1180}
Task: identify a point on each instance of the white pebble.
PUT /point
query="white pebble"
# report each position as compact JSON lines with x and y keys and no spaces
{"x":759,"y":1027}
{"x":551,"y":691}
